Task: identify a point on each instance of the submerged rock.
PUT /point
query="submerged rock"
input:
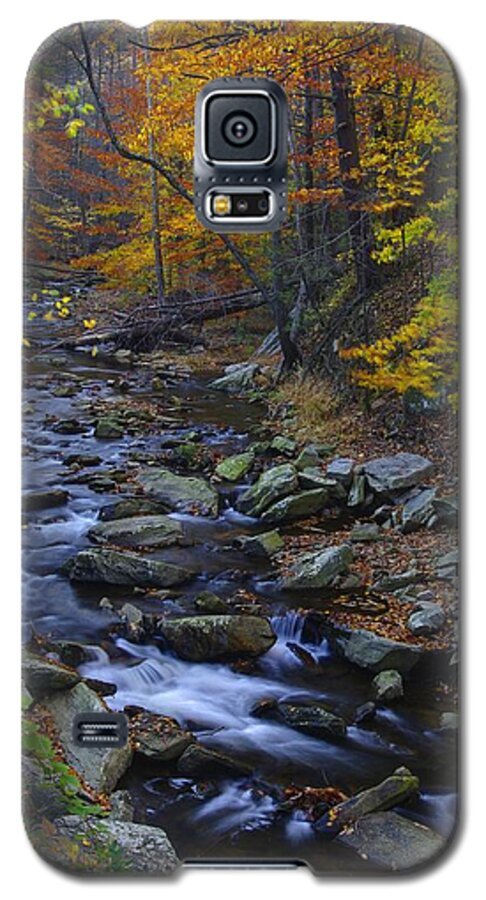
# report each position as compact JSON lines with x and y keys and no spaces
{"x":316,"y":570}
{"x":139,"y":848}
{"x":314,"y":720}
{"x":395,"y":473}
{"x":141,"y":531}
{"x":233,"y":468}
{"x":44,"y":676}
{"x":391,"y":841}
{"x":271,"y":486}
{"x":180,"y":491}
{"x":296,"y":506}
{"x":388,"y":686}
{"x":371,"y":651}
{"x":264,"y":545}
{"x":111,"y":567}
{"x":395,"y":789}
{"x":100,"y":767}
{"x":204,"y":638}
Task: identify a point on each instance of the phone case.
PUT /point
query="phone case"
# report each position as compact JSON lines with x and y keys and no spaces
{"x":240,"y":615}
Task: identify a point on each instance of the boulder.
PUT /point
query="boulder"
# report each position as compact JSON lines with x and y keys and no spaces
{"x":139,"y":848}
{"x":283,"y":444}
{"x":428,"y":619}
{"x":449,"y":559}
{"x":233,"y":468}
{"x":271,"y":486}
{"x":314,"y":720}
{"x":204,"y":638}
{"x":371,"y":651}
{"x":180,"y":491}
{"x":140,"y":531}
{"x":132,"y":506}
{"x":44,"y":676}
{"x":367,"y":531}
{"x":357,"y":491}
{"x":199,"y":762}
{"x":313,"y":478}
{"x":418,"y":510}
{"x":262,"y":546}
{"x":100,"y":767}
{"x":396,"y":582}
{"x":390,"y":841}
{"x":121,"y":806}
{"x":397,"y":788}
{"x":341,"y":469}
{"x":108,"y":428}
{"x":388,"y":686}
{"x":296,"y":506}
{"x":237,"y":379}
{"x":308,"y":458}
{"x":111,"y":567}
{"x":32,"y":501}
{"x":158,"y":737}
{"x":395,"y":473}
{"x":365,"y":712}
{"x":209,"y":603}
{"x":317,"y":570}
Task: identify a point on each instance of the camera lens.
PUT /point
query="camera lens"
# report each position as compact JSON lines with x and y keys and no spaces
{"x":239,"y":129}
{"x":263,"y":204}
{"x":242,"y":205}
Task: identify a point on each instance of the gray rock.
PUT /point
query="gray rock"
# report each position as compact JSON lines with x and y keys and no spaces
{"x":312,"y":478}
{"x":426,"y":620}
{"x":111,"y":567}
{"x":132,"y":506}
{"x":388,"y":686}
{"x":365,"y":712}
{"x":121,"y":806}
{"x":449,"y":559}
{"x":100,"y":767}
{"x":199,"y":762}
{"x":271,"y":486}
{"x":390,"y":841}
{"x":397,"y":788}
{"x":44,"y":676}
{"x":308,"y":458}
{"x":357,"y":491}
{"x":313,"y":720}
{"x":204,"y":638}
{"x":341,"y":469}
{"x":211,"y":604}
{"x":296,"y":506}
{"x":367,"y":531}
{"x":143,"y":848}
{"x":283,"y":444}
{"x":180,"y":491}
{"x":392,"y":583}
{"x":418,"y":510}
{"x":370,"y":651}
{"x":446,"y":511}
{"x":139,"y":531}
{"x":108,"y":428}
{"x":449,"y":721}
{"x":233,"y":468}
{"x":382,"y":514}
{"x":237,"y":379}
{"x":37,"y":500}
{"x":316,"y":570}
{"x":158,"y":737}
{"x":263,"y":546}
{"x":393,"y":473}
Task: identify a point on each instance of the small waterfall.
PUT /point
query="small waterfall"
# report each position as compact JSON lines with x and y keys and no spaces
{"x":237,"y":809}
{"x":289,"y":627}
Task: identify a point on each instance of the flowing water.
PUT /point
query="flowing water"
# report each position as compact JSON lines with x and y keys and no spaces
{"x":241,"y":817}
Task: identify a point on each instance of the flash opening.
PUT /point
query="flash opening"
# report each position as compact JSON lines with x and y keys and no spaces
{"x":221,"y":205}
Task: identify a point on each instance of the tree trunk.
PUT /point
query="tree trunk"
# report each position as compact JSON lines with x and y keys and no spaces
{"x":291,"y":356}
{"x":154,"y":190}
{"x":359,"y":225}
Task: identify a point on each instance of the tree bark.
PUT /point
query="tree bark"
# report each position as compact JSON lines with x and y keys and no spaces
{"x":154,"y":192}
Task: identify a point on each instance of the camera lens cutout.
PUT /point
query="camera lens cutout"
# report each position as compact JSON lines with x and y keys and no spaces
{"x":242,"y":205}
{"x":239,"y":129}
{"x":263,"y":204}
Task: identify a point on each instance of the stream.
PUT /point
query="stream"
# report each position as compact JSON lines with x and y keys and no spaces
{"x":239,"y":818}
